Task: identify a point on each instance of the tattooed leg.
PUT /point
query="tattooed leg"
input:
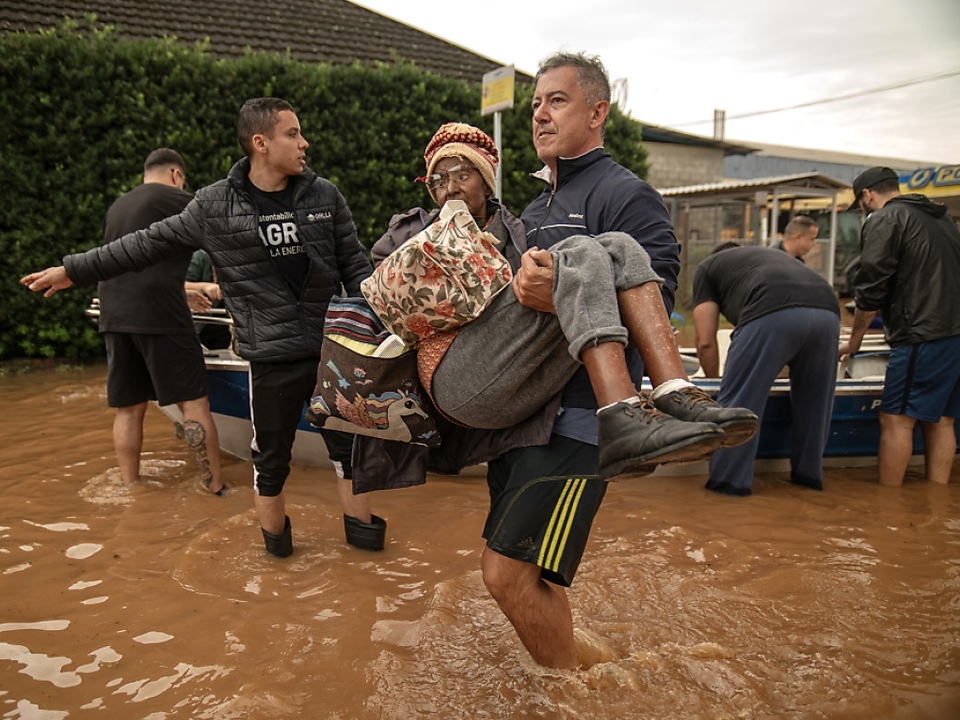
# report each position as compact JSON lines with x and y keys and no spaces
{"x":200,"y":432}
{"x":196,"y":436}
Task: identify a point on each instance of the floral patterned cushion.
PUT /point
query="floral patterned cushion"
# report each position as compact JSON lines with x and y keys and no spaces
{"x":439,"y":279}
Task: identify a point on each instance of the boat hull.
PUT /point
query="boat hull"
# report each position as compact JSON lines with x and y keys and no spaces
{"x":853,"y":440}
{"x":854,"y":428}
{"x":228,"y":382}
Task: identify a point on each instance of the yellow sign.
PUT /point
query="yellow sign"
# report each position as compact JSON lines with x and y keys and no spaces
{"x":497,"y":90}
{"x":943,"y":181}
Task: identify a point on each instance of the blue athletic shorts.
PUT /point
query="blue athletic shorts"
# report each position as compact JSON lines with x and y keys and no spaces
{"x":923,"y":380}
{"x":542,"y":504}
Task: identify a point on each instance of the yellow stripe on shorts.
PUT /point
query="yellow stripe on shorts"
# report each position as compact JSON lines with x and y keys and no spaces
{"x":558,"y":530}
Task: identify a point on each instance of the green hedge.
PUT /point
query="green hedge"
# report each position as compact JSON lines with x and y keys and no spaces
{"x":80,"y":108}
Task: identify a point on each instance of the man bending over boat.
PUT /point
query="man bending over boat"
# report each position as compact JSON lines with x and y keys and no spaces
{"x":786,"y":315}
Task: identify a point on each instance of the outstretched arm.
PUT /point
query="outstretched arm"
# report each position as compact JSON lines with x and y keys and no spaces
{"x":51,"y":280}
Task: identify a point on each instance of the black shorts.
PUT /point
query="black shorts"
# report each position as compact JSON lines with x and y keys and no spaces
{"x":542,"y":504}
{"x":165,"y":368}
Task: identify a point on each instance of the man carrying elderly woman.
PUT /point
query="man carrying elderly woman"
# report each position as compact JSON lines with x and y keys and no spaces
{"x":503,"y":367}
{"x":507,"y":375}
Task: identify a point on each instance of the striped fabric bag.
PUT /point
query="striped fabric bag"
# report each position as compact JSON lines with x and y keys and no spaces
{"x":367,"y":380}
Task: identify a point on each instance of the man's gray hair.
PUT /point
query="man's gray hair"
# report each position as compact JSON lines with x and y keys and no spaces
{"x":591,"y":74}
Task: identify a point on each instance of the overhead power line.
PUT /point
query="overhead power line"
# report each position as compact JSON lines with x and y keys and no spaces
{"x":824,"y":101}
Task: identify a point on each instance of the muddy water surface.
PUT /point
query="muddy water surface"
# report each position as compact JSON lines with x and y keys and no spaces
{"x":159,"y":602}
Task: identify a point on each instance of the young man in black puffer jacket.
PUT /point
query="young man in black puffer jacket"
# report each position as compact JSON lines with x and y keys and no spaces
{"x":283,"y":242}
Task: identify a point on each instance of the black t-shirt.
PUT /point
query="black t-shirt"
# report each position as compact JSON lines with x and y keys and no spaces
{"x":750,"y":282}
{"x":279,"y":234}
{"x":150,"y":301}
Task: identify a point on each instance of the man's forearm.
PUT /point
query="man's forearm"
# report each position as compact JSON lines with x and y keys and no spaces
{"x":709,"y":358}
{"x":861,"y":323}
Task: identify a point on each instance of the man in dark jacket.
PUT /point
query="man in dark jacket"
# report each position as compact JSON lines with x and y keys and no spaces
{"x":283,"y":242}
{"x":909,"y":270}
{"x":544,"y":498}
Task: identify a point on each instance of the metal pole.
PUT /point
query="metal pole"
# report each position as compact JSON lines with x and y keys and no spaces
{"x":775,"y":216}
{"x":499,"y":144}
{"x":831,"y":268}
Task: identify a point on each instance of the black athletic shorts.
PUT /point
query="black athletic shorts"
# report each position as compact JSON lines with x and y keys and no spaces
{"x":165,"y":368}
{"x":542,"y":504}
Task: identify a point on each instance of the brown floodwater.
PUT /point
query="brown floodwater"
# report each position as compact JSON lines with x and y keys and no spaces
{"x":159,"y":602}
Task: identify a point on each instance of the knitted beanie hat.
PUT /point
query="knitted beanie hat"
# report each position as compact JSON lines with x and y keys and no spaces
{"x":467,"y":142}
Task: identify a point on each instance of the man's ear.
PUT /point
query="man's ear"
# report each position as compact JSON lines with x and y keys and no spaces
{"x":600,"y":113}
{"x":259,"y":143}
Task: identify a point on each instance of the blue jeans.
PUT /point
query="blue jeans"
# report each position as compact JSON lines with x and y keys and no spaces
{"x":805,"y":340}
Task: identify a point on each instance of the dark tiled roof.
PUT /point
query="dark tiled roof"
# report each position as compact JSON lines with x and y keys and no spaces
{"x":333,"y":31}
{"x":659,"y":133}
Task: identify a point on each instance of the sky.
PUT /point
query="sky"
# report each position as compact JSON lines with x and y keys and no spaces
{"x":681,"y":61}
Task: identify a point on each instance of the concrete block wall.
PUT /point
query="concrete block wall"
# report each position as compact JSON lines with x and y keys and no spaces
{"x":673,"y":165}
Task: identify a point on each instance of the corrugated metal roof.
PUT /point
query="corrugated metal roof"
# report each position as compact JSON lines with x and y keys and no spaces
{"x":741,"y":187}
{"x":840,"y":158}
{"x":659,"y":133}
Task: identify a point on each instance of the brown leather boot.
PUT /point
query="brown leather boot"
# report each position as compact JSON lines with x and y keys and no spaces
{"x":693,"y":404}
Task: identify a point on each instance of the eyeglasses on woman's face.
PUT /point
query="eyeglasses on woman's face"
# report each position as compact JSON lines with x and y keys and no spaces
{"x":458,"y":173}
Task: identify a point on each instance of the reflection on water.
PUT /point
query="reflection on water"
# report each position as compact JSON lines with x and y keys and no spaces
{"x":158,"y":601}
